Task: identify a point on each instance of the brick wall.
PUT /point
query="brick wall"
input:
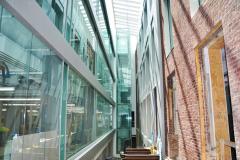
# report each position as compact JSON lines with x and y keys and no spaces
{"x":188,"y":32}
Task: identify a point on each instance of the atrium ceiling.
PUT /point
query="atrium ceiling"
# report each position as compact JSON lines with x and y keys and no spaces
{"x":127,"y":14}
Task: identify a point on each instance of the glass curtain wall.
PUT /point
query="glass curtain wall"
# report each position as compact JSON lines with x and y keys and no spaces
{"x":38,"y":93}
{"x":84,"y":41}
{"x":79,"y":33}
{"x":54,"y":9}
{"x":103,"y":75}
{"x":123,"y":92}
{"x":81,"y":112}
{"x":30,"y":94}
{"x":103,"y":116}
{"x":97,"y":9}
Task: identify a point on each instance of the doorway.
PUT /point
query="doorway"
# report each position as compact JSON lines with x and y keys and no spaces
{"x":219,"y":120}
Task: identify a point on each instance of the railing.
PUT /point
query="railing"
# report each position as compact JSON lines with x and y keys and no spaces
{"x":138,"y":154}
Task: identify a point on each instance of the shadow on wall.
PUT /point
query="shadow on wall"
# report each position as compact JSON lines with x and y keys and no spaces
{"x":205,"y":16}
{"x":186,"y":62}
{"x":192,"y":75}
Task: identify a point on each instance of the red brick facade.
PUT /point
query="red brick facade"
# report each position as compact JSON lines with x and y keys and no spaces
{"x":188,"y":32}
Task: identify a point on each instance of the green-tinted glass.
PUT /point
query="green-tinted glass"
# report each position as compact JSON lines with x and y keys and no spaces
{"x":80,"y":112}
{"x":123,"y":92}
{"x":84,"y":120}
{"x":79,"y":33}
{"x":30,"y":96}
{"x":103,"y":116}
{"x":54,"y":9}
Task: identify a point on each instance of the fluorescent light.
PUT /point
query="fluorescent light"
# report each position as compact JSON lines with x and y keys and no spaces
{"x":4,"y":109}
{"x":21,"y":104}
{"x":34,"y":111}
{"x":129,"y":118}
{"x":71,"y":105}
{"x":20,"y":99}
{"x":46,"y":139}
{"x":80,"y":3}
{"x":7,"y":89}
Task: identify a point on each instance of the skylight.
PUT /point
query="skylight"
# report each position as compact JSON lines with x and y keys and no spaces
{"x":127,"y":15}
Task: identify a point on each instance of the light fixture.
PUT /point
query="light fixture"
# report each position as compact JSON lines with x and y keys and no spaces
{"x":20,"y":99}
{"x":34,"y":111}
{"x":4,"y":109}
{"x":7,"y":89}
{"x":129,"y":118}
{"x":71,"y":105}
{"x":21,"y":104}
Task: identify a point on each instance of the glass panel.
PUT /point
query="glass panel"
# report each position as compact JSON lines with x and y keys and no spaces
{"x":122,"y":45}
{"x":83,"y":40}
{"x":123,"y":92}
{"x":103,"y":74}
{"x":103,"y":116}
{"x":30,"y":95}
{"x":33,"y":95}
{"x":54,"y":10}
{"x":79,"y":30}
{"x":127,"y":15}
{"x":79,"y":33}
{"x":82,"y":127}
{"x":63,"y":113}
{"x":80,"y":113}
{"x":97,"y":9}
{"x":123,"y":127}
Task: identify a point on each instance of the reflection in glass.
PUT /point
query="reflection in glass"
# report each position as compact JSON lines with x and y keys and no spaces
{"x":31,"y":96}
{"x":123,"y":92}
{"x":79,"y":31}
{"x":103,"y":116}
{"x":103,"y":74}
{"x":80,"y":35}
{"x":97,"y":9}
{"x":80,"y":113}
{"x":30,"y":93}
{"x":54,"y":9}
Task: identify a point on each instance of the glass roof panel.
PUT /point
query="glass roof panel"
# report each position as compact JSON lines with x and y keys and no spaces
{"x":127,"y":15}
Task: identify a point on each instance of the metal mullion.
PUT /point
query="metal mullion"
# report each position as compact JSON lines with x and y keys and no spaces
{"x":92,"y":19}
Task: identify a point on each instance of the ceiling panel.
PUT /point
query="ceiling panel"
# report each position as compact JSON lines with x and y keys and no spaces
{"x":127,"y":15}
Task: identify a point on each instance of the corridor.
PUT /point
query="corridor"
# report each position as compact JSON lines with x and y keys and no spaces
{"x":119,"y":79}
